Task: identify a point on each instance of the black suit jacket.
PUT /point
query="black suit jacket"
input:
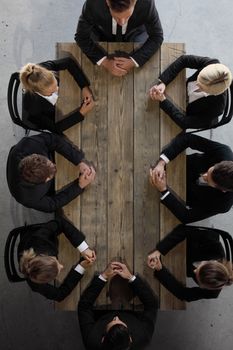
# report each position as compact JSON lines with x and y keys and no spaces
{"x":202,"y":245}
{"x":202,"y":201}
{"x":41,"y":112}
{"x":42,"y":196}
{"x":43,"y":239}
{"x":140,"y":324}
{"x":202,"y":113}
{"x":96,"y":18}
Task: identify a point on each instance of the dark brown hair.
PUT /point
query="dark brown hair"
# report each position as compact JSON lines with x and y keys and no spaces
{"x":120,"y":5}
{"x":222,"y":175}
{"x":36,"y":168}
{"x":117,"y":338}
{"x":215,"y":274}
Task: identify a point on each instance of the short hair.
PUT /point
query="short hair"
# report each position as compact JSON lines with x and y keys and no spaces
{"x":36,"y":169}
{"x":215,"y":78}
{"x":117,"y":338}
{"x":222,"y":175}
{"x":38,"y":268}
{"x":121,"y":5}
{"x":215,"y":274}
{"x":35,"y":78}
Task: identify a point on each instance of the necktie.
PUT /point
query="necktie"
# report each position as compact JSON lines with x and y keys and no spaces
{"x":119,"y":33}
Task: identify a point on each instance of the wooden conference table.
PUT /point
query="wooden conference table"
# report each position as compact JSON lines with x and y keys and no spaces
{"x":120,"y":213}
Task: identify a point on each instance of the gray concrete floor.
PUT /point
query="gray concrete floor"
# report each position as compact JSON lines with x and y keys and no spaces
{"x":28,"y":32}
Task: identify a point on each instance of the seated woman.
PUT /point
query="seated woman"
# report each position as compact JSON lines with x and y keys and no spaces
{"x":38,"y":258}
{"x":206,"y":263}
{"x":206,"y":91}
{"x":41,"y":93}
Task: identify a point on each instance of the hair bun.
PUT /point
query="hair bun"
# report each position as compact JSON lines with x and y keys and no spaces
{"x":214,"y":78}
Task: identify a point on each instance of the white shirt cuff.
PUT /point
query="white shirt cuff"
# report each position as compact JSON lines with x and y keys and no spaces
{"x":102,"y":278}
{"x":80,"y":269}
{"x":166,"y":160}
{"x":136,"y":64}
{"x":165,"y":195}
{"x":101,"y":60}
{"x":83,"y":246}
{"x":132,"y":279}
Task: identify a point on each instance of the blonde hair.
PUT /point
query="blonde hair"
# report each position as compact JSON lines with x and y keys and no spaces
{"x":216,"y":274}
{"x":214,"y":78}
{"x":35,"y":78}
{"x":38,"y":268}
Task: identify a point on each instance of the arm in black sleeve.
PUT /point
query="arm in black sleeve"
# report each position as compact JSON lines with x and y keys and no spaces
{"x":185,"y":61}
{"x":75,"y":236}
{"x":201,"y":144}
{"x":85,"y":307}
{"x":57,"y":293}
{"x":150,"y":302}
{"x":177,"y":235}
{"x":155,"y":36}
{"x":73,"y":68}
{"x":83,"y":34}
{"x":187,"y":215}
{"x":181,"y":292}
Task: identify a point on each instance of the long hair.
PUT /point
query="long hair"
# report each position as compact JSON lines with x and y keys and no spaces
{"x":38,"y":268}
{"x":215,"y":274}
{"x":35,"y":78}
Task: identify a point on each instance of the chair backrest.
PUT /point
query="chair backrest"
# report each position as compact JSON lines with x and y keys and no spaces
{"x":12,"y":100}
{"x":227,"y":240}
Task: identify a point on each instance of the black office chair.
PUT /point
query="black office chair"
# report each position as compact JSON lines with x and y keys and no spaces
{"x":11,"y":254}
{"x":12,"y":100}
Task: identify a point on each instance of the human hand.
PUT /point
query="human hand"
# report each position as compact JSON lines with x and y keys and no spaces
{"x":86,"y":175}
{"x":110,"y":271}
{"x":124,"y":63}
{"x":112,"y":67}
{"x":86,"y":107}
{"x":87,"y":95}
{"x":122,"y":270}
{"x":157,"y":89}
{"x":159,"y":169}
{"x":89,"y":255}
{"x":157,"y":181}
{"x":86,"y":263}
{"x":153,"y":260}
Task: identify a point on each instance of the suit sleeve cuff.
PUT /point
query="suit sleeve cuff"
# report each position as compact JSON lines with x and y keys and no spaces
{"x":165,"y":158}
{"x":101,"y":60}
{"x":133,"y":278}
{"x":79,"y":269}
{"x":136,"y":64}
{"x":83,"y":246}
{"x":102,"y":278}
{"x":164,"y":195}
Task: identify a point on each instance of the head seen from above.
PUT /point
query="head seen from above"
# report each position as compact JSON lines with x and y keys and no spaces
{"x":37,"y":169}
{"x":220,"y":176}
{"x":117,"y":336}
{"x":214,"y":79}
{"x":121,"y":10}
{"x":35,"y":78}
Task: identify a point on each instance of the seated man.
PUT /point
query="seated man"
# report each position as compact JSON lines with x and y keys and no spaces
{"x":209,"y":177}
{"x":119,"y":329}
{"x":121,"y":21}
{"x":31,"y":172}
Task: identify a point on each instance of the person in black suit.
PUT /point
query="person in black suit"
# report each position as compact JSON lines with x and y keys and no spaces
{"x":117,"y":329}
{"x":208,"y":91}
{"x":209,"y":178}
{"x":38,"y":257}
{"x":206,"y":263}
{"x":31,"y":171}
{"x":120,"y":21}
{"x":41,"y":93}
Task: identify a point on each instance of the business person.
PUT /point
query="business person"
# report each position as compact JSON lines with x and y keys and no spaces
{"x":120,"y":21}
{"x":206,"y":263}
{"x":41,"y":92}
{"x":38,"y":257}
{"x":117,"y":329}
{"x":209,"y":178}
{"x":208,"y":91}
{"x":31,"y":171}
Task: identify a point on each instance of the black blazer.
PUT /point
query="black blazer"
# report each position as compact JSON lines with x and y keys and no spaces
{"x":201,"y":246}
{"x":43,"y":239}
{"x":42,"y":196}
{"x":41,"y":112}
{"x":140,"y":324}
{"x":202,"y":201}
{"x":202,"y":113}
{"x":96,"y":18}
